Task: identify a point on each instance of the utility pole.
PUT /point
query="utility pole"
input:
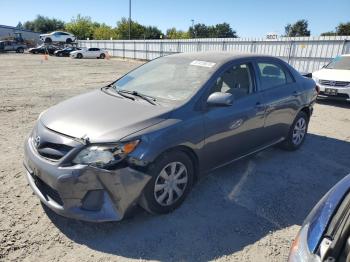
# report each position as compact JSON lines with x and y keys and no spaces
{"x":129,"y":19}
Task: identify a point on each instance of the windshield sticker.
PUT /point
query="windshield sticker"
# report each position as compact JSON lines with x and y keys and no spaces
{"x":202,"y":63}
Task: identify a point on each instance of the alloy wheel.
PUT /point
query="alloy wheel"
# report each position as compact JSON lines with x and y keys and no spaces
{"x":299,"y":131}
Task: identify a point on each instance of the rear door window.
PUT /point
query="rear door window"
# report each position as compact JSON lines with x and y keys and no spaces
{"x":273,"y":75}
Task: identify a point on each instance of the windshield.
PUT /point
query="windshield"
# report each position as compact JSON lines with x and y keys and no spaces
{"x":340,"y":62}
{"x":171,"y":78}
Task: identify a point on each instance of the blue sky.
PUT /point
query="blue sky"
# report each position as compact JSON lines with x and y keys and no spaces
{"x":250,"y":18}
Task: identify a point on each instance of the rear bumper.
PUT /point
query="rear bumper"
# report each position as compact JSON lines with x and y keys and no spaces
{"x":83,"y":192}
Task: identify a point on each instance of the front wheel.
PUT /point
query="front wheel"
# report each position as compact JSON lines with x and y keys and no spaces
{"x":79,"y":56}
{"x":297,"y":132}
{"x":48,"y":40}
{"x":172,"y":179}
{"x":102,"y":56}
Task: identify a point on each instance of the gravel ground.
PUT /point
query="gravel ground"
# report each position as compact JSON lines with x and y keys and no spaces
{"x":248,"y":211}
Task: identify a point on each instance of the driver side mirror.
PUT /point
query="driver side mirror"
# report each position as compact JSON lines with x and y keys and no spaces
{"x":220,"y":99}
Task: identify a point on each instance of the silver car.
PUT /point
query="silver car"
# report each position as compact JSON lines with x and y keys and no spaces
{"x":146,"y":138}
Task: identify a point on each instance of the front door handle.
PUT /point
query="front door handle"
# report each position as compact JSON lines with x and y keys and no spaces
{"x":259,"y":106}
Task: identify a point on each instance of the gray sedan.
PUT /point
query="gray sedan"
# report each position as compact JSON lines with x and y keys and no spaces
{"x":146,"y":138}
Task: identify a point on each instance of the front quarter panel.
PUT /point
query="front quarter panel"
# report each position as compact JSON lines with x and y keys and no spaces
{"x":171,"y":133}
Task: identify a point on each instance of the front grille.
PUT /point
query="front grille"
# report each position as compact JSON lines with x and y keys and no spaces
{"x":334,"y":83}
{"x":46,"y":190}
{"x":53,"y":151}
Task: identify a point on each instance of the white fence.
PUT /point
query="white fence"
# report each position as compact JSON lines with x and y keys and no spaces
{"x":306,"y":54}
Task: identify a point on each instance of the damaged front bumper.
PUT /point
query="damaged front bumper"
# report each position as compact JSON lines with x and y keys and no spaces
{"x":83,"y":192}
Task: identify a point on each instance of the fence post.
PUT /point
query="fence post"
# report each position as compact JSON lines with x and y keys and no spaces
{"x":223,"y":45}
{"x":134,"y":49}
{"x":123,"y":49}
{"x":161,"y":48}
{"x":146,"y":47}
{"x":290,"y":50}
{"x":344,"y":46}
{"x":198,"y":46}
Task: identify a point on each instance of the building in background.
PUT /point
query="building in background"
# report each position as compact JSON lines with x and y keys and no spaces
{"x":7,"y":32}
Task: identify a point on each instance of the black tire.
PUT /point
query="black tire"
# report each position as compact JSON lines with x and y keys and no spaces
{"x":48,"y":40}
{"x":20,"y":50}
{"x":148,"y":199}
{"x":60,"y":54}
{"x":69,"y":41}
{"x":290,"y":144}
{"x":35,"y":52}
{"x":79,"y":56}
{"x":102,"y":56}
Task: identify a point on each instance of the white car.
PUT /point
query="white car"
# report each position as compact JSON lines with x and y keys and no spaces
{"x":333,"y":79}
{"x":58,"y":36}
{"x":89,"y":53}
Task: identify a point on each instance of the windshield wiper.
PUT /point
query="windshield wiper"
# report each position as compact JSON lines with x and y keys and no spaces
{"x":147,"y":98}
{"x":109,"y":87}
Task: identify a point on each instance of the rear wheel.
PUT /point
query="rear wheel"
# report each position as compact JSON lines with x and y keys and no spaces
{"x":297,"y":132}
{"x":172,"y":179}
{"x":20,"y":50}
{"x":69,"y":41}
{"x":102,"y":56}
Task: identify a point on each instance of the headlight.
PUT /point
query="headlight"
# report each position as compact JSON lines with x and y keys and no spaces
{"x":299,"y":251}
{"x":105,"y":155}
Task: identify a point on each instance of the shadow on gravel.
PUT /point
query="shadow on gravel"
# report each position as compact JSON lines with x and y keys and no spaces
{"x":231,"y":208}
{"x":334,"y":103}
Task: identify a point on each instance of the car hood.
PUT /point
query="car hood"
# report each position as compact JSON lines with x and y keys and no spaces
{"x":333,"y":74}
{"x":101,"y":117}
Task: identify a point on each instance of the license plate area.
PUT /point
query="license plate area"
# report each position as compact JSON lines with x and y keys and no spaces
{"x":331,"y":91}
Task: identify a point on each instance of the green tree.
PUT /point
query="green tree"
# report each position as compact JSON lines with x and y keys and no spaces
{"x":223,"y":30}
{"x":152,"y":32}
{"x":104,"y":32}
{"x":137,"y":30}
{"x":300,"y":28}
{"x":82,"y":27}
{"x":213,"y":31}
{"x":19,"y":25}
{"x":343,"y":29}
{"x":199,"y":31}
{"x":172,"y":33}
{"x":330,"y":33}
{"x":44,"y":24}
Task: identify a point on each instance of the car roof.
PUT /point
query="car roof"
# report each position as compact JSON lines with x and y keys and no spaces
{"x":218,"y":57}
{"x":345,"y":55}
